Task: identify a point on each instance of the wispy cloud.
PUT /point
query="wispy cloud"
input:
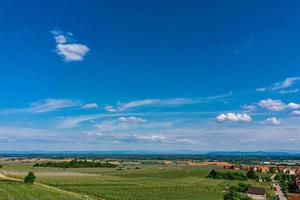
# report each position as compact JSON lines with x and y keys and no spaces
{"x":68,"y":50}
{"x":282,"y":86}
{"x":110,"y":109}
{"x":120,"y":124}
{"x":152,"y":138}
{"x":46,"y":105}
{"x":132,"y":119}
{"x":71,"y":122}
{"x":89,"y":105}
{"x":249,"y":108}
{"x":296,"y":112}
{"x":74,"y":121}
{"x":163,"y":102}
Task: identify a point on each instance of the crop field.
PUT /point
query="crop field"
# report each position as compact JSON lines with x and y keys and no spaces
{"x":145,"y":182}
{"x":12,"y":190}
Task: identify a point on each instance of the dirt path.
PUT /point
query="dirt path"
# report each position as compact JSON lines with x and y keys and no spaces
{"x":279,"y":192}
{"x":3,"y":176}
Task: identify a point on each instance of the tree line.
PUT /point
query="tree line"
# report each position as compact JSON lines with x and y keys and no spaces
{"x":76,"y":164}
{"x":236,"y":175}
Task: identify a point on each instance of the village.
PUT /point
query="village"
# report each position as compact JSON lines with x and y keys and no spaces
{"x":284,"y":177}
{"x":282,"y":192}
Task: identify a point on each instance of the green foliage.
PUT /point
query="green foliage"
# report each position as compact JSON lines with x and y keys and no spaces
{"x":287,"y":182}
{"x":76,"y":164}
{"x":251,"y":175}
{"x":30,"y":178}
{"x":237,"y":175}
{"x":271,"y":195}
{"x":272,"y":169}
{"x":236,"y":192}
{"x":236,"y":196}
{"x":155,"y":181}
{"x":1,"y":166}
{"x":242,"y":187}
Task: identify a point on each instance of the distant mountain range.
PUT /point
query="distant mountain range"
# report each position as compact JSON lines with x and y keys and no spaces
{"x":178,"y":152}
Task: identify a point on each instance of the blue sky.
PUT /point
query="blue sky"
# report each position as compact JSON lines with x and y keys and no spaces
{"x":155,"y":75}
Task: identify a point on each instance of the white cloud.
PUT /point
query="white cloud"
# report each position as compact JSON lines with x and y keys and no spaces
{"x":69,"y":51}
{"x":261,"y":89}
{"x":151,"y":137}
{"x":110,"y":109}
{"x":293,"y":106}
{"x":273,"y":121}
{"x":273,"y":105}
{"x":73,"y":121}
{"x":72,"y":52}
{"x":288,"y":82}
{"x":157,"y":102}
{"x":296,"y":112}
{"x":60,"y":39}
{"x":186,"y":141}
{"x":46,"y":105}
{"x":282,"y":85}
{"x":277,"y":105}
{"x":120,"y":124}
{"x":132,"y":119}
{"x":163,"y":102}
{"x":89,"y":105}
{"x":233,"y":117}
{"x":289,"y":91}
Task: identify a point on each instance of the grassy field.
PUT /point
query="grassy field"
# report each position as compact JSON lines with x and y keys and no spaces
{"x":145,"y":182}
{"x":12,"y":190}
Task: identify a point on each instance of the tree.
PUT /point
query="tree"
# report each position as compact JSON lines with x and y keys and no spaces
{"x":242,"y":187}
{"x":272,"y":169}
{"x":30,"y":178}
{"x":251,"y":174}
{"x":212,"y":174}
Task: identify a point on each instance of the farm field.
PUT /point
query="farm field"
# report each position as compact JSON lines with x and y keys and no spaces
{"x":12,"y":190}
{"x":145,"y":182}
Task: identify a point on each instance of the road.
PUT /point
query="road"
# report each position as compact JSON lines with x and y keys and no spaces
{"x":279,"y":192}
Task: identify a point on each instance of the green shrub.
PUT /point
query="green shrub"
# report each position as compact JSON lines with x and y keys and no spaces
{"x":30,"y":178}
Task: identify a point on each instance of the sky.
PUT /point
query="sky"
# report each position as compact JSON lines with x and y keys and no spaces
{"x":149,"y":75}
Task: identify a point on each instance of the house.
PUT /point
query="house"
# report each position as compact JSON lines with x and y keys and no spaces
{"x":245,"y":168}
{"x":281,"y":168}
{"x":229,"y":166}
{"x":292,"y":172}
{"x":257,"y":193}
{"x":292,"y":196}
{"x":254,"y":169}
{"x":264,"y":168}
{"x":297,"y":180}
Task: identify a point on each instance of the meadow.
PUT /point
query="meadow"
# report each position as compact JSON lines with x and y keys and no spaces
{"x":131,"y":182}
{"x":13,"y":190}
